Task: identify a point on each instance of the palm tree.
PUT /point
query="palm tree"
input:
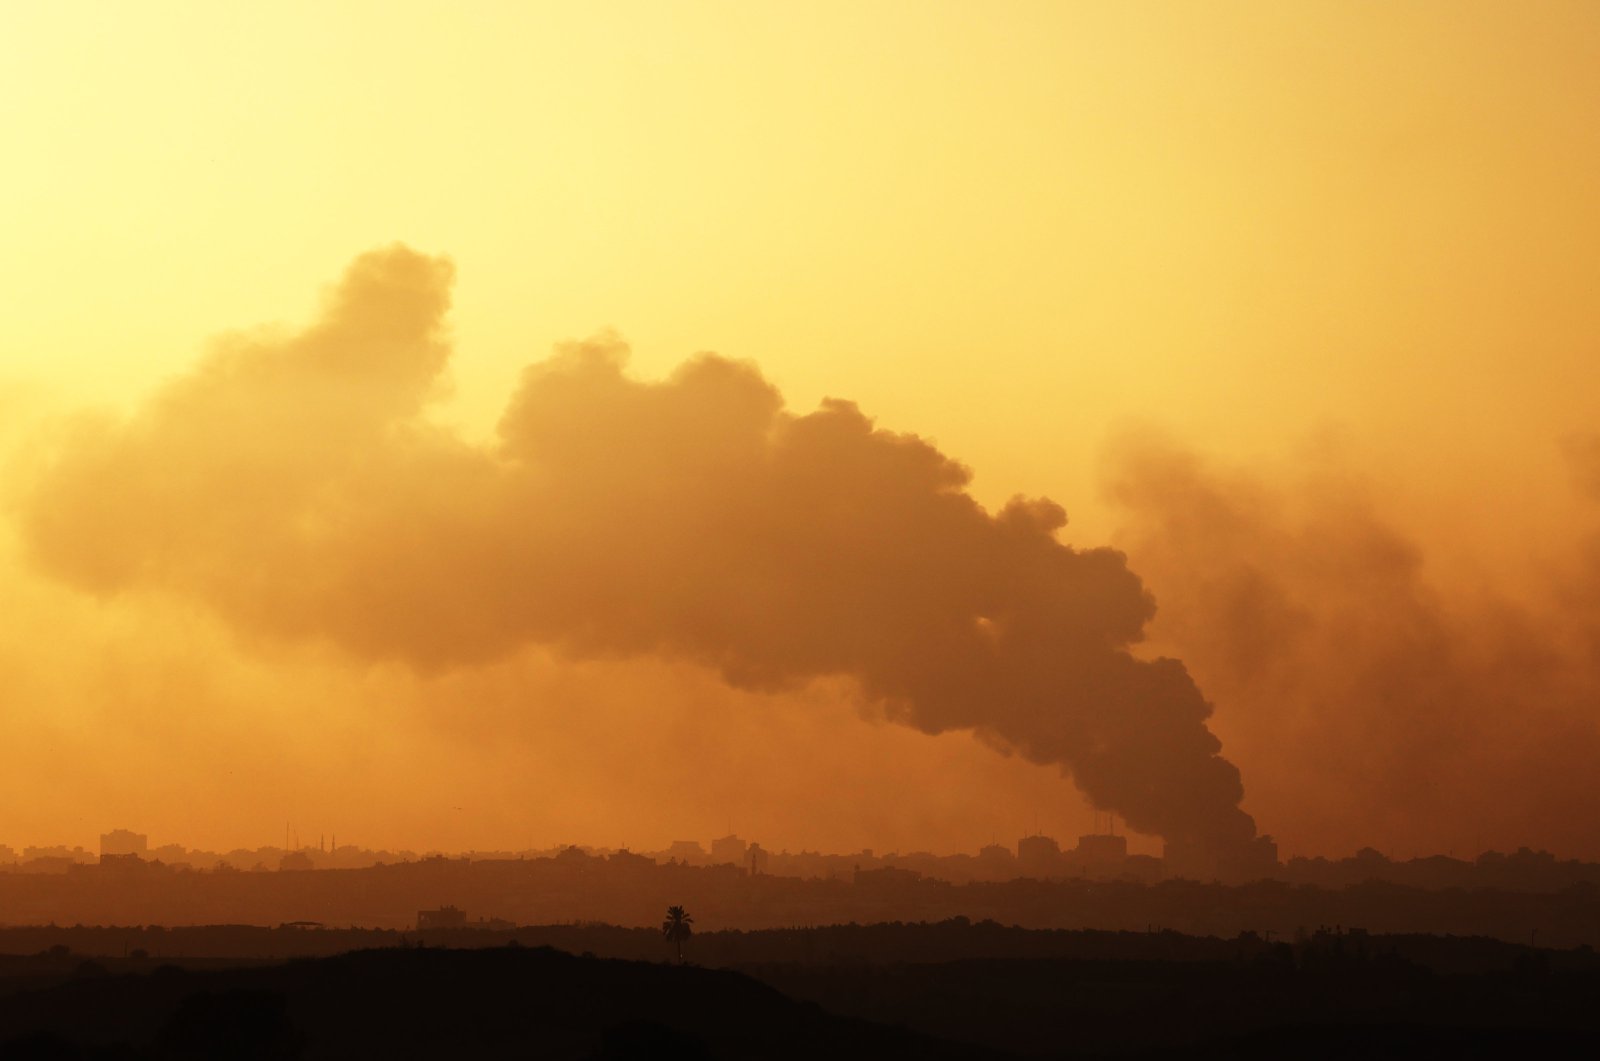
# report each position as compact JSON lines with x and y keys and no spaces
{"x":677,"y":928}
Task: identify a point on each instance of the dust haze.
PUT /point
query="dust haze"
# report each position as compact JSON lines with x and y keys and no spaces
{"x":1377,"y":696}
{"x":292,"y":484}
{"x":694,"y":598}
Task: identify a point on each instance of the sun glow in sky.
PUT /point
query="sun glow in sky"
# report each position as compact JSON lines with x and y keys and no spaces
{"x":1302,"y":293}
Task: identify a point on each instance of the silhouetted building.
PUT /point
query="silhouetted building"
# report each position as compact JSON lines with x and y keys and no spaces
{"x":996,"y":862}
{"x":123,"y":842}
{"x":1256,"y":859}
{"x":688,"y":851}
{"x":1101,"y":854}
{"x":57,"y":851}
{"x":1039,"y":857}
{"x":129,"y":863}
{"x":627,"y":859}
{"x":729,"y":850}
{"x":172,"y":854}
{"x":758,"y":860}
{"x":444,"y":917}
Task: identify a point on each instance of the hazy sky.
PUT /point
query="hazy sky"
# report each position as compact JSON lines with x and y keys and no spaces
{"x":1295,"y":302}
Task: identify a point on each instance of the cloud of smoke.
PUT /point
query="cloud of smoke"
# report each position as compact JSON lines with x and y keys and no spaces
{"x":1372,"y":700}
{"x":295,"y":486}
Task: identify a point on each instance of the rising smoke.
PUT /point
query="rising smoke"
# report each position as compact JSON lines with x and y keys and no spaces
{"x":296,"y":487}
{"x":1373,"y":698}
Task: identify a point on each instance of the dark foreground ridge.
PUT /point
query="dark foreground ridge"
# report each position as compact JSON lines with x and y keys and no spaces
{"x":1335,"y":995}
{"x":437,"y":1003}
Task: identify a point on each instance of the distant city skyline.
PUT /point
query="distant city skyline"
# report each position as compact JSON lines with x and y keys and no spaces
{"x":1030,"y":848}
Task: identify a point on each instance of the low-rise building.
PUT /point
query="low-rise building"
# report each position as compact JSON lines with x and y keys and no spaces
{"x":444,"y":917}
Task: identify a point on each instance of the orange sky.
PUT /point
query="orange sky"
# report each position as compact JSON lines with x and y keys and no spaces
{"x":1294,"y":303}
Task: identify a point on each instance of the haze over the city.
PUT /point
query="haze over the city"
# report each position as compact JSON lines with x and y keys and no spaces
{"x":607,"y":425}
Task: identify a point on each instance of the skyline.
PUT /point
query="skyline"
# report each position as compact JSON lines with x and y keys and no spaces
{"x":1291,"y":307}
{"x":1073,"y":845}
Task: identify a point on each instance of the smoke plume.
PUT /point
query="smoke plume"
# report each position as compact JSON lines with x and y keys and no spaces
{"x":296,"y":486}
{"x":1373,"y":699}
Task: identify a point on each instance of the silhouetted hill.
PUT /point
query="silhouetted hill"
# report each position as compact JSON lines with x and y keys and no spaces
{"x":434,"y":1003}
{"x":1266,"y":1005}
{"x":1342,"y":994}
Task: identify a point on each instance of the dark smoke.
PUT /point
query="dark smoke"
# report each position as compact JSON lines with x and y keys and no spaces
{"x":1373,"y":699}
{"x":296,"y":487}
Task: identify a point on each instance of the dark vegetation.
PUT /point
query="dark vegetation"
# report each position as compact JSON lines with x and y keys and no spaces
{"x":576,"y":887}
{"x":1048,"y":1007}
{"x":434,"y":1003}
{"x":954,"y":989}
{"x":29,"y":950}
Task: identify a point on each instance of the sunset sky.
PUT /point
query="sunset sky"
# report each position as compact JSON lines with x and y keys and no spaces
{"x":1296,"y":303}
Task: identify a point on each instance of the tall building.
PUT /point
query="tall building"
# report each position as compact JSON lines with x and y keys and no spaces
{"x":996,"y":862}
{"x":1101,"y":854}
{"x":687,"y":851}
{"x":1039,"y":856}
{"x":123,"y":842}
{"x":728,"y":850}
